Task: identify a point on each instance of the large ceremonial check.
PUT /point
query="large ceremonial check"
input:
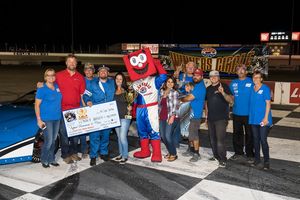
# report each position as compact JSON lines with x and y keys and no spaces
{"x":88,"y":119}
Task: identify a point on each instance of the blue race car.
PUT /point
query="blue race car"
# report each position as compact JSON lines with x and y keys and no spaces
{"x":20,"y":137}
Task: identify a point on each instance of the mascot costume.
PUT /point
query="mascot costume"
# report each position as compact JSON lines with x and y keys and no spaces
{"x":141,"y":67}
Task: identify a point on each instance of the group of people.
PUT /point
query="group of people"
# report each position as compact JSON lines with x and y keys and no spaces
{"x":68,"y":89}
{"x":251,"y":113}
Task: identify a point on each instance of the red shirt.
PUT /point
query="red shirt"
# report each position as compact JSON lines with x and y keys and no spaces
{"x":71,"y":88}
{"x":163,"y":115}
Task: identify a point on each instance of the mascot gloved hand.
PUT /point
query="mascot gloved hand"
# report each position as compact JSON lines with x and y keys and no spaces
{"x":142,"y":69}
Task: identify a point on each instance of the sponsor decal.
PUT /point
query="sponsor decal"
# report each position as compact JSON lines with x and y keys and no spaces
{"x":295,"y":93}
{"x":209,"y":52}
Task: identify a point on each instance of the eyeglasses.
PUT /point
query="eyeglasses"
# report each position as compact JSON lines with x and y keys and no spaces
{"x":256,"y":77}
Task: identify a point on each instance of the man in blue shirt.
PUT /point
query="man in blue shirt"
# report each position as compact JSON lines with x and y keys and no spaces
{"x":197,"y":99}
{"x":89,"y":71}
{"x":102,"y":90}
{"x":182,"y":78}
{"x":242,"y":136}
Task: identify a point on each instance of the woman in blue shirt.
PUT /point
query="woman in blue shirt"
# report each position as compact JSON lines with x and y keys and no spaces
{"x":48,"y":114}
{"x":260,"y":118}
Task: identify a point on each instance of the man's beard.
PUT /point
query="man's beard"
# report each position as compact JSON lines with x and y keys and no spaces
{"x":103,"y":77}
{"x":197,"y":80}
{"x":242,"y":75}
{"x":71,"y":68}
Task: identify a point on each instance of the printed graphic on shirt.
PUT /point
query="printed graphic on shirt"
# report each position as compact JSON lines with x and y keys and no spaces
{"x":235,"y":89}
{"x":144,"y":87}
{"x":88,"y":93}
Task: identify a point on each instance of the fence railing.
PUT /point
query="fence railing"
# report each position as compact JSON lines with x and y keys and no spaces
{"x":57,"y":48}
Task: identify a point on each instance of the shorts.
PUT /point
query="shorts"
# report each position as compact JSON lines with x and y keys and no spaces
{"x":193,"y":129}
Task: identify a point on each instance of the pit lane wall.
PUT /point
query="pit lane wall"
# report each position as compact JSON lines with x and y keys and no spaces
{"x":286,"y":93}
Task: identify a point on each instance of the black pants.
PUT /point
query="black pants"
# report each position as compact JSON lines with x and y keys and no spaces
{"x":217,"y":135}
{"x":240,"y":125}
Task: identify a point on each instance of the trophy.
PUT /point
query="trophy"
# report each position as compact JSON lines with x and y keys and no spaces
{"x":130,"y":96}
{"x":178,"y":70}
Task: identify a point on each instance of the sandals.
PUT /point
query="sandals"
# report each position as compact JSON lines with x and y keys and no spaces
{"x":172,"y":158}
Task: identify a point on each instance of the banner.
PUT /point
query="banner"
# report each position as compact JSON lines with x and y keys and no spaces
{"x":295,"y":93}
{"x":224,"y":59}
{"x":130,"y":46}
{"x":89,"y":119}
{"x":27,"y":53}
{"x":154,"y":48}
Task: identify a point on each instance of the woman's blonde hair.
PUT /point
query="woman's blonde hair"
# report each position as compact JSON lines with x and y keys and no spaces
{"x":48,"y":70}
{"x":191,"y":84}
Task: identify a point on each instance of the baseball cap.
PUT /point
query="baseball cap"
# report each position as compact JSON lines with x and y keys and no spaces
{"x":214,"y":73}
{"x":89,"y":66}
{"x":198,"y":72}
{"x":243,"y":66}
{"x":103,"y":67}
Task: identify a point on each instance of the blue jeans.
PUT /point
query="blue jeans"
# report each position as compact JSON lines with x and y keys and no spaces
{"x":177,"y":135}
{"x":168,"y":135}
{"x":50,"y":134}
{"x":122,"y":137}
{"x":99,"y":141}
{"x":260,"y":135}
{"x":185,"y":116}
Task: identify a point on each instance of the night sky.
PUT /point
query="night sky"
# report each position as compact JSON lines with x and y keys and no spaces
{"x":100,"y":22}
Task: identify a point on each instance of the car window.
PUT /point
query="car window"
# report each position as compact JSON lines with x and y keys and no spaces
{"x":26,"y":99}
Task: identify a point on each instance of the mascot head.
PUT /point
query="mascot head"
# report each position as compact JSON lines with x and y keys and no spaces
{"x":139,"y":64}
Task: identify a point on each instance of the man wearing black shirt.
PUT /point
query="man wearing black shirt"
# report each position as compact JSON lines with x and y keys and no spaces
{"x":218,"y":98}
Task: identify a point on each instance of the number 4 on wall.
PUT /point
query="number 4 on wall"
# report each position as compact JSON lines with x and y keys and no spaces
{"x":295,"y":93}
